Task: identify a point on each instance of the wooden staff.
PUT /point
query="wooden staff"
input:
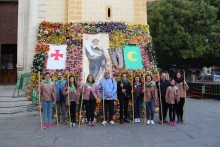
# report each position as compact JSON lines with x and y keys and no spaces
{"x":132,"y":94}
{"x":144,"y":103}
{"x":184,"y":74}
{"x":161,"y":107}
{"x":80,"y":112}
{"x":69,"y":97}
{"x":55,"y":103}
{"x":103,"y":100}
{"x":39,"y":100}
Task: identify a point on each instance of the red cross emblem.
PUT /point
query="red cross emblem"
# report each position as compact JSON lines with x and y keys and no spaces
{"x":57,"y":55}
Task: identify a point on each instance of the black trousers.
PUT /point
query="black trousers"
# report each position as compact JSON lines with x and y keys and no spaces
{"x":179,"y":109}
{"x":164,"y":108}
{"x":73,"y":111}
{"x":172,"y":111}
{"x":90,"y":108}
{"x":123,"y":107}
{"x":109,"y":106}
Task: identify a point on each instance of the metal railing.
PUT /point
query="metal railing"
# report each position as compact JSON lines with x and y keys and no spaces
{"x":212,"y":89}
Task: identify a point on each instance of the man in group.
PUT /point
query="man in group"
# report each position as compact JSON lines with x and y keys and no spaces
{"x":163,"y":83}
{"x":61,"y":100}
{"x":108,"y":85}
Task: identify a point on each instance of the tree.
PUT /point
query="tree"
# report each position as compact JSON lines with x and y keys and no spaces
{"x":186,"y":33}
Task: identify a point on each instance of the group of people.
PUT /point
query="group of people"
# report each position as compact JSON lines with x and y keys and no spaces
{"x":67,"y":93}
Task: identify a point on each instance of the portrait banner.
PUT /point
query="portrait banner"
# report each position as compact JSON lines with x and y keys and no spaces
{"x":95,"y":55}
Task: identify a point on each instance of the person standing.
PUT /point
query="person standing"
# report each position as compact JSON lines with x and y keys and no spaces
{"x":110,"y":88}
{"x":164,"y":83}
{"x":90,"y":94}
{"x":172,"y":98}
{"x":47,"y":96}
{"x":150,"y":96}
{"x":182,"y":88}
{"x":138,"y":95}
{"x":61,"y":99}
{"x":73,"y":99}
{"x":124,"y":94}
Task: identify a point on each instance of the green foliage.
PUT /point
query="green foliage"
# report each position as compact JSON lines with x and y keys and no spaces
{"x":186,"y":33}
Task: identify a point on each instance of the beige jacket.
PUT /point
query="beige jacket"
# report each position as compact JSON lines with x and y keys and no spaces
{"x":172,"y":95}
{"x":47,"y":92}
{"x":182,"y":89}
{"x":150,"y":92}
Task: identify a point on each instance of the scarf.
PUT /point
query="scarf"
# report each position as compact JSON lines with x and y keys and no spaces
{"x":72,"y":88}
{"x":137,"y":83}
{"x":60,"y":81}
{"x":150,"y":84}
{"x":90,"y":84}
{"x":179,"y":80}
{"x":48,"y":82}
{"x":125,"y":82}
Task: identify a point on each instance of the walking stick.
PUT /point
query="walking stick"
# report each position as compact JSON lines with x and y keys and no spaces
{"x":144,"y":103}
{"x":56,"y":112}
{"x":80,"y":112}
{"x":39,"y":100}
{"x":69,"y":98}
{"x":103,"y":101}
{"x":132,"y":94}
{"x":184,"y":96}
{"x":161,"y":107}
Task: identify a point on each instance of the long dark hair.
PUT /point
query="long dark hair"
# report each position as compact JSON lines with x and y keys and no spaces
{"x":178,"y":80}
{"x":74,"y":81}
{"x":145,"y":78}
{"x":93,"y":80}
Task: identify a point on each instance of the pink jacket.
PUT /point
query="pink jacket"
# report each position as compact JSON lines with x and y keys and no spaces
{"x":149,"y":93}
{"x":182,"y":89}
{"x":172,"y":95}
{"x":86,"y":91}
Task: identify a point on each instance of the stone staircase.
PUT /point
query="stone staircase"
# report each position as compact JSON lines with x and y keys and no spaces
{"x":13,"y":108}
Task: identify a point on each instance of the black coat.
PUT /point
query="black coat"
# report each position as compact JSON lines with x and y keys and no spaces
{"x":125,"y":86}
{"x":163,"y":87}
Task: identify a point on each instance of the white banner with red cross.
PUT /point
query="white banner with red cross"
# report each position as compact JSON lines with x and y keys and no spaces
{"x":56,"y":57}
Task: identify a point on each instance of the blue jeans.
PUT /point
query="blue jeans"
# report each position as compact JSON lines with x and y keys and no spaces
{"x":150,"y":109}
{"x":137,"y":107}
{"x":47,"y":111}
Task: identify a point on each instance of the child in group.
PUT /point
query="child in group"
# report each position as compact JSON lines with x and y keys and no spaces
{"x":138,"y":94}
{"x":182,"y":88}
{"x":73,"y":99}
{"x":150,"y":96}
{"x":47,"y":96}
{"x":90,"y":94}
{"x":172,"y":98}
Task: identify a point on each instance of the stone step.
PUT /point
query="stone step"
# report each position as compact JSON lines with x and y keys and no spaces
{"x":5,"y":104}
{"x":19,"y":115}
{"x":10,"y":99}
{"x":12,"y":110}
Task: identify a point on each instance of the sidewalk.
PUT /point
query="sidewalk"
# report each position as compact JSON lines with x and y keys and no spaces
{"x":202,"y":130}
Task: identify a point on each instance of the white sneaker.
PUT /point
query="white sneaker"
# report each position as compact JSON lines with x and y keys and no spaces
{"x":148,"y":122}
{"x":135,"y":120}
{"x":138,"y":120}
{"x":74,"y":124}
{"x":104,"y":122}
{"x":111,"y":122}
{"x":152,"y":122}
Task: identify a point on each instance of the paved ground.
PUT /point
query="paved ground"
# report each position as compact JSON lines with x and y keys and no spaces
{"x":202,"y":129}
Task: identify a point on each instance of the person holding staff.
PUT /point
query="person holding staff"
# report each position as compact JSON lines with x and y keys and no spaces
{"x":124,"y":94}
{"x":90,"y":94}
{"x":47,"y":96}
{"x":150,"y":96}
{"x":182,"y":88}
{"x":73,"y":99}
{"x":108,"y":87}
{"x":138,"y":95}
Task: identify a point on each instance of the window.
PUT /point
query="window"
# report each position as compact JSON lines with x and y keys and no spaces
{"x":108,"y":12}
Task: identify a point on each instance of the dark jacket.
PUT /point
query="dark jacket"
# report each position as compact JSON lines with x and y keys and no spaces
{"x":163,"y":87}
{"x":121,"y":94}
{"x":138,"y":90}
{"x":59,"y":90}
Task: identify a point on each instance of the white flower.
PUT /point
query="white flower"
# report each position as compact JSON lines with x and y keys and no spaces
{"x":45,"y":32}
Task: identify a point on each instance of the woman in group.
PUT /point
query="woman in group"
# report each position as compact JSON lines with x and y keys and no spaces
{"x":172,"y":98}
{"x":182,"y":88}
{"x":124,"y":94}
{"x":73,"y":99}
{"x":47,"y":96}
{"x":138,"y":94}
{"x":90,"y":94}
{"x":150,"y":96}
